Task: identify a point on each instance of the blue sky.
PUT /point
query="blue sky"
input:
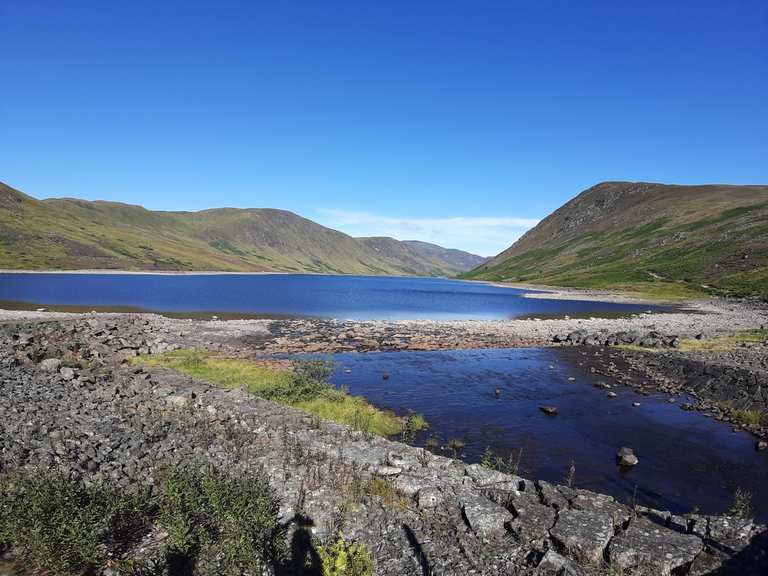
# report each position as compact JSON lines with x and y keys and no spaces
{"x":455,"y":122}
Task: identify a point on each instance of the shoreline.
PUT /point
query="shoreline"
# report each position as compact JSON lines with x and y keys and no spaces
{"x":538,"y":291}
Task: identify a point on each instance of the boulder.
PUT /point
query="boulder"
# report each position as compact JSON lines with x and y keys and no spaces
{"x":67,"y":373}
{"x":626,"y":457}
{"x":583,"y":534}
{"x":656,"y":549}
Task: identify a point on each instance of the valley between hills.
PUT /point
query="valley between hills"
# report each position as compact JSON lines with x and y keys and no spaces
{"x":227,"y":444}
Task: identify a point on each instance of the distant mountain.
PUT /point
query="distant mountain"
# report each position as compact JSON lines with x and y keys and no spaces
{"x":67,"y":233}
{"x":636,"y":235}
{"x":422,"y":255}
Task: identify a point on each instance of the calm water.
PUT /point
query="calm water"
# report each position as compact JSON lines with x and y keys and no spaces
{"x":342,"y":297}
{"x":686,"y":459}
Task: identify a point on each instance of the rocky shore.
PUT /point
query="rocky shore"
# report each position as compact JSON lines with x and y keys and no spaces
{"x":69,"y":401}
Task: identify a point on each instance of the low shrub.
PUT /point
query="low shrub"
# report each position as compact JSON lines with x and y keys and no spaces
{"x":225,"y":523}
{"x":216,"y":522}
{"x":64,"y":526}
{"x":343,"y":559}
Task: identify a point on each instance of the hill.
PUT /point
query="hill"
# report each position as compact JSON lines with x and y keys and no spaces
{"x":420,"y":254}
{"x":654,"y":238}
{"x":68,"y":233}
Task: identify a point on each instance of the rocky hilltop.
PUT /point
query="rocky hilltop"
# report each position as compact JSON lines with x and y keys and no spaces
{"x":633,"y":235}
{"x":67,"y":233}
{"x":69,"y":400}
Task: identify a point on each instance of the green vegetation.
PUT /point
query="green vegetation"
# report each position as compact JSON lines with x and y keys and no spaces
{"x":716,"y":344}
{"x":377,"y":488}
{"x":343,"y":559}
{"x":743,"y":416}
{"x":224,"y":523}
{"x":60,"y":525}
{"x":456,"y":446}
{"x":742,"y":504}
{"x":70,"y":234}
{"x":724,"y":343}
{"x":304,"y":387}
{"x":219,"y":523}
{"x":656,"y":241}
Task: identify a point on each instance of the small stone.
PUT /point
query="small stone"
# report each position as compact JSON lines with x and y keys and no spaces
{"x":611,"y":395}
{"x":635,"y":404}
{"x":50,"y":365}
{"x":429,"y":497}
{"x":67,"y":373}
{"x":177,"y":400}
{"x":761,"y":445}
{"x":549,"y":410}
{"x":626,"y":457}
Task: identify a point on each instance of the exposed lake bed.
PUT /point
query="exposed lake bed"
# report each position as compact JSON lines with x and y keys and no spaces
{"x":479,"y":381}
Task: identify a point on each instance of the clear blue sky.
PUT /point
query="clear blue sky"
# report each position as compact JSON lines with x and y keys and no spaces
{"x":380,"y":117}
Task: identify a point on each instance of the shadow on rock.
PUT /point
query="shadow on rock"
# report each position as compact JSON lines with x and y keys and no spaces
{"x":417,"y":550}
{"x":752,"y":560}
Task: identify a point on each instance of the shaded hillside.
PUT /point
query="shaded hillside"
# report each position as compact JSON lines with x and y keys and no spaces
{"x":457,"y":260}
{"x":642,"y":236}
{"x":68,"y":233}
{"x":415,"y":254}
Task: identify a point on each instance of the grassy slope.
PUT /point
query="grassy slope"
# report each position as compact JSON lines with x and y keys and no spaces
{"x":657,"y":239}
{"x":77,"y":234}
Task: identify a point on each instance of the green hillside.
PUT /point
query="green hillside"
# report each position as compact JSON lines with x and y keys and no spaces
{"x":77,"y":234}
{"x":653,"y":238}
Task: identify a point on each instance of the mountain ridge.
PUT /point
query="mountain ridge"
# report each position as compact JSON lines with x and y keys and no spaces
{"x":693,"y":238}
{"x":71,"y":233}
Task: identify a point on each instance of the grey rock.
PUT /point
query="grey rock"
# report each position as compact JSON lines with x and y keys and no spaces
{"x":486,"y":518}
{"x":50,"y":365}
{"x":554,"y":563}
{"x":429,"y":497}
{"x":583,"y":534}
{"x":67,"y":373}
{"x":532,"y":519}
{"x":653,"y":547}
{"x":626,"y":457}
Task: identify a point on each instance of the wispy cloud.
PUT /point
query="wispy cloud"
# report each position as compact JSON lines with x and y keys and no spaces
{"x":486,"y":236}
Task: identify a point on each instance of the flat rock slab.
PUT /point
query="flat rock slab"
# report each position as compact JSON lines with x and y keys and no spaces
{"x":486,"y":518}
{"x":583,"y":534}
{"x":654,"y":547}
{"x":532,"y":519}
